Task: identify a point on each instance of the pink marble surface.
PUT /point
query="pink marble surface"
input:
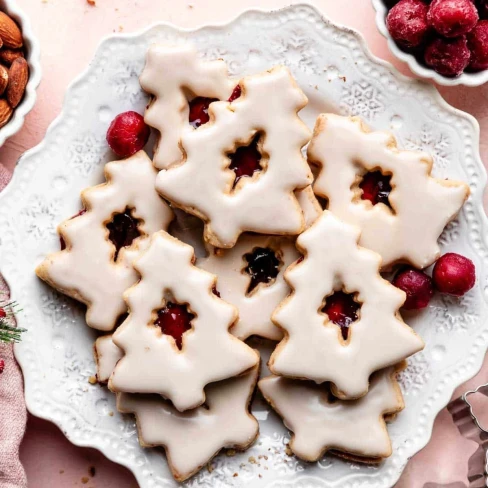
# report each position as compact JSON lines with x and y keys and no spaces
{"x":69,"y":32}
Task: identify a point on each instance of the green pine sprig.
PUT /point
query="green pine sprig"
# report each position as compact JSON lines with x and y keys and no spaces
{"x":8,"y":333}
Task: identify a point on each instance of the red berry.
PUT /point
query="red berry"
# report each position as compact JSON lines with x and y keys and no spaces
{"x":376,"y":187}
{"x":417,"y":285}
{"x":2,"y":365}
{"x":127,"y":134}
{"x":3,"y":313}
{"x":452,"y":18}
{"x":236,"y":93}
{"x":199,"y":111}
{"x":478,"y":44}
{"x":407,"y":22}
{"x":342,"y":309}
{"x":449,"y":57}
{"x":246,"y":160}
{"x":174,"y":320}
{"x":454,"y":274}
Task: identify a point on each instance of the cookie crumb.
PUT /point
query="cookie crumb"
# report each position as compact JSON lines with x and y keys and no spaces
{"x":121,"y":28}
{"x":260,"y":475}
{"x":252,"y":460}
{"x":91,"y":2}
{"x":61,"y":471}
{"x":92,"y":380}
{"x":231,"y":452}
{"x":288,"y":450}
{"x":111,"y":414}
{"x":235,"y":475}
{"x":210,"y":468}
{"x":85,"y":480}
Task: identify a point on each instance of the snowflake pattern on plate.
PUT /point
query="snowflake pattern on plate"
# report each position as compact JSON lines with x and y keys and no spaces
{"x":437,"y":144}
{"x":453,"y":314}
{"x":450,"y":233}
{"x":40,"y":218}
{"x":86,"y":152}
{"x":126,"y":82}
{"x":416,"y":375}
{"x":363,"y":99}
{"x":59,"y":309}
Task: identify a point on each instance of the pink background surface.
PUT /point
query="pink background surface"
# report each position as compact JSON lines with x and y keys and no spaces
{"x":69,"y":31}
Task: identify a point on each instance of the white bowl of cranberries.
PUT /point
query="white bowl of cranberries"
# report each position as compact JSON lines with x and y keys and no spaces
{"x":444,"y":40}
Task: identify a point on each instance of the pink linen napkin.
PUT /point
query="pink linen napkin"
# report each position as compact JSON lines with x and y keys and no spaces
{"x":13,"y":414}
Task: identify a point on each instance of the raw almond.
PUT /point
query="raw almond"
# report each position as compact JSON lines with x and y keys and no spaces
{"x":8,"y":56}
{"x":5,"y":112}
{"x":3,"y":79}
{"x":17,"y":81}
{"x":10,"y":32}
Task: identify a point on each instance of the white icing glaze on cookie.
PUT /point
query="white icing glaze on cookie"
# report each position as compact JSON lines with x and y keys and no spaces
{"x":309,"y":204}
{"x":152,"y":362}
{"x":192,"y":438}
{"x":107,"y":354}
{"x":345,"y":149}
{"x":203,"y":184}
{"x":318,"y":424}
{"x":86,"y":270}
{"x":170,"y":73}
{"x":313,"y":347}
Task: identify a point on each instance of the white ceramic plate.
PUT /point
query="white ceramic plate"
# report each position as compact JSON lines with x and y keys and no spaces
{"x":468,"y":79}
{"x":337,"y":72}
{"x":33,"y":59}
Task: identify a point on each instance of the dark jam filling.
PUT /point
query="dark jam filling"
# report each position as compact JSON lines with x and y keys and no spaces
{"x":122,"y":230}
{"x":342,"y":310}
{"x":235,"y":94}
{"x":61,"y":240}
{"x":174,"y":320}
{"x":376,"y":188}
{"x":245,"y":161}
{"x":262,"y":266}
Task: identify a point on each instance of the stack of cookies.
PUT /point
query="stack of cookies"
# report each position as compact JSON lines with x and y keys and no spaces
{"x":278,"y":265}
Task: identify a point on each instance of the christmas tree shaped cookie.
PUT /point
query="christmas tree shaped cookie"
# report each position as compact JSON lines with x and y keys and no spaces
{"x":389,"y":194}
{"x":176,"y":338}
{"x":315,"y":347}
{"x":192,"y":438}
{"x":243,"y":167}
{"x":102,"y":241}
{"x":320,"y":423}
{"x":172,"y":75}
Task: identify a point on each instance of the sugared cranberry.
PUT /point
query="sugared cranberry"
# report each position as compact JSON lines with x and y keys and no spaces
{"x":246,"y":160}
{"x":407,"y":22}
{"x":452,"y":18}
{"x":61,"y":240}
{"x":478,"y":45}
{"x":417,"y":286}
{"x":449,"y":57}
{"x":2,"y":365}
{"x":174,"y":320}
{"x":3,"y":313}
{"x":199,"y":110}
{"x":376,"y":187}
{"x":454,"y":274}
{"x":123,"y":229}
{"x":262,"y":266}
{"x":235,"y":94}
{"x":127,"y":134}
{"x":342,"y":309}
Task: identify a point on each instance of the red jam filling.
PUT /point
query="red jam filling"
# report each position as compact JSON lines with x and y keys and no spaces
{"x":342,"y":310}
{"x":174,"y":320}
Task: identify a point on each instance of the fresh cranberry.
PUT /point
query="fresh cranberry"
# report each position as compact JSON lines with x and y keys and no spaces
{"x":454,"y":274}
{"x":123,"y":229}
{"x":235,"y":94}
{"x":2,"y":365}
{"x":342,"y":309}
{"x":376,"y":187}
{"x":61,"y":240}
{"x":262,"y":265}
{"x":199,"y":110}
{"x":478,"y":44}
{"x":3,"y":313}
{"x":417,"y":286}
{"x":246,"y":160}
{"x":127,"y":134}
{"x":407,"y":22}
{"x":452,"y":18}
{"x":449,"y":57}
{"x":174,"y":320}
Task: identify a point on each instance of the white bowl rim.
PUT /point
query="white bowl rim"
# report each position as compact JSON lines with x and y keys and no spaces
{"x":466,"y":79}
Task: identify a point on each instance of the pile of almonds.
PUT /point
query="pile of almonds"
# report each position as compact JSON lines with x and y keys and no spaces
{"x":14,"y":70}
